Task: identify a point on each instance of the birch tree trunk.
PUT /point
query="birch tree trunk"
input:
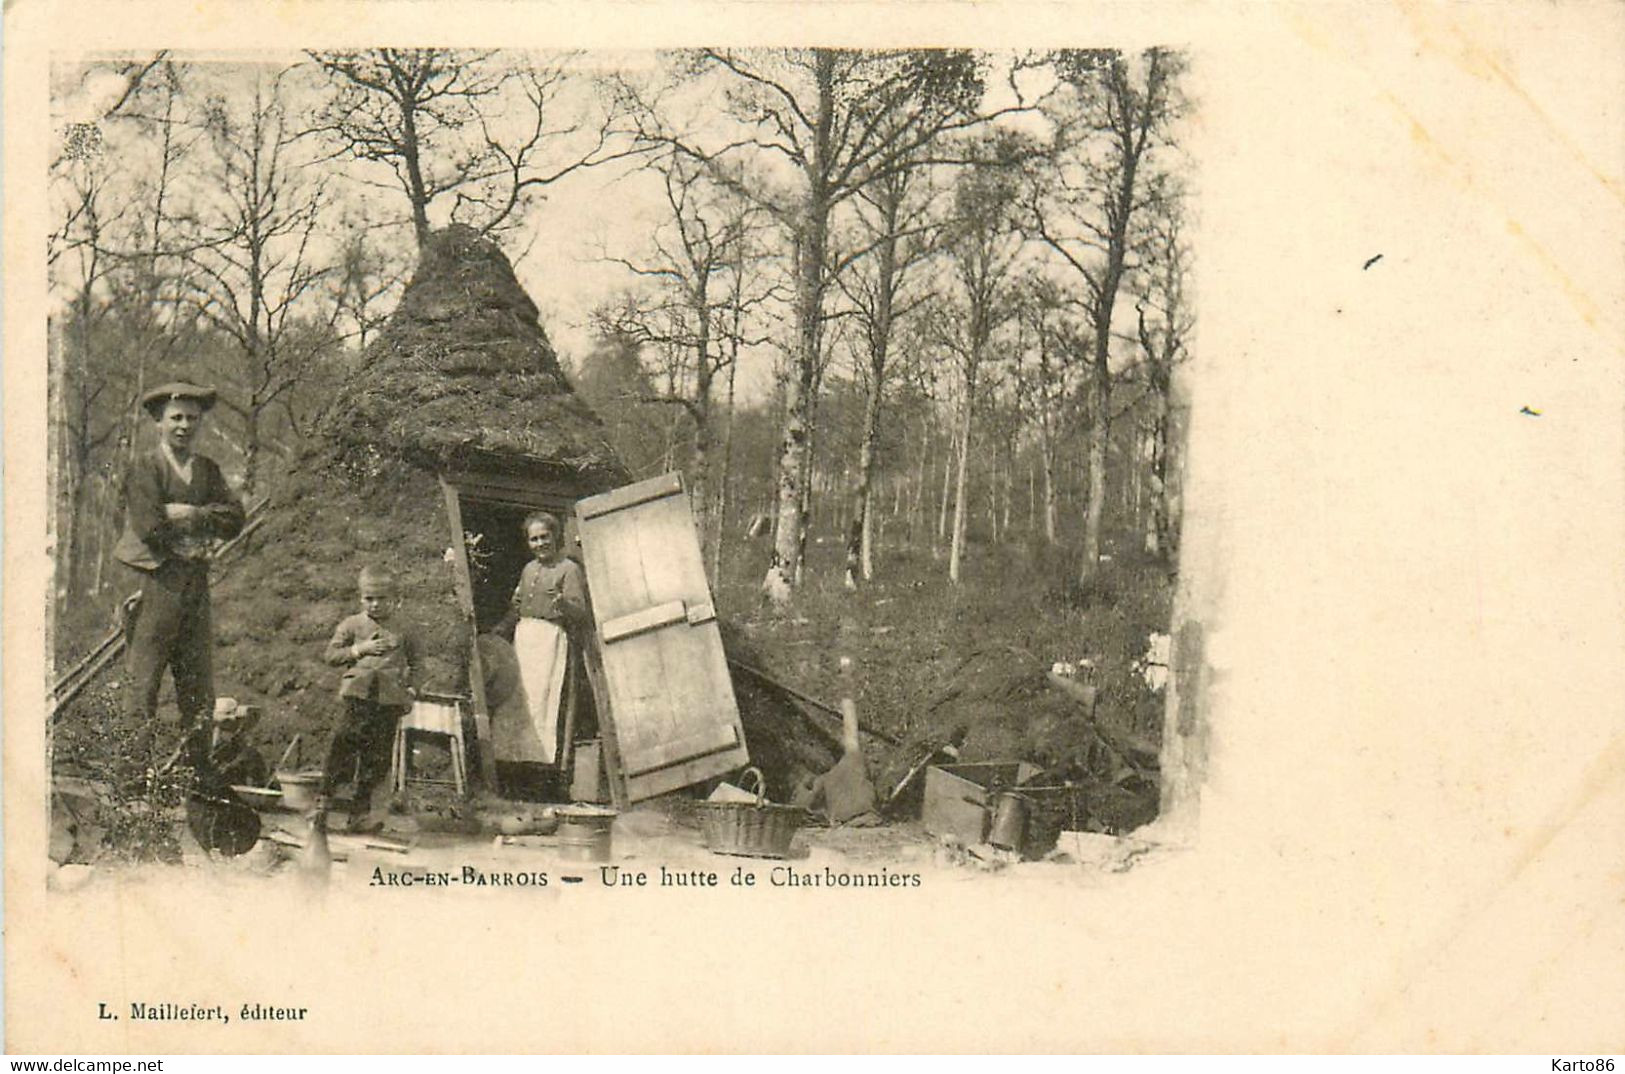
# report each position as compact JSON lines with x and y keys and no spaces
{"x":727,"y":460}
{"x":956,"y":551}
{"x":812,"y":237}
{"x":1008,"y":470}
{"x":66,"y":473}
{"x":860,"y":539}
{"x":701,"y":412}
{"x":993,"y":499}
{"x":98,"y":559}
{"x":1156,"y":530}
{"x":793,"y":455}
{"x":1032,"y":498}
{"x":1100,"y":377}
{"x":1046,"y":452}
{"x":1095,"y":505}
{"x":251,"y":449}
{"x":918,"y":518}
{"x":1131,"y":114}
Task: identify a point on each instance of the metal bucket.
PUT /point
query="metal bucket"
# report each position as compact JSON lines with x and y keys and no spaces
{"x":585,"y":833}
{"x":300,"y":789}
{"x":1009,"y":829}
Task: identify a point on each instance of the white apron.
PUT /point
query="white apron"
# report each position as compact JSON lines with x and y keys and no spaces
{"x":526,"y":727}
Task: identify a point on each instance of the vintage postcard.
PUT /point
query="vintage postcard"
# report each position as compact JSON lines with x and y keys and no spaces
{"x":867,"y":527}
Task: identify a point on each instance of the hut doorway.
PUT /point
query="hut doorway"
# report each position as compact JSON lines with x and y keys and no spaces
{"x":491,"y":511}
{"x":493,"y":533}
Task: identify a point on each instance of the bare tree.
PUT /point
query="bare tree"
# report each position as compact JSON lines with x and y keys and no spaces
{"x":896,"y":228}
{"x":612,"y":377}
{"x":755,"y":288}
{"x":812,"y":128}
{"x":1045,"y":383}
{"x":1117,"y":113}
{"x":257,"y":278}
{"x":1164,"y":327}
{"x":1002,"y":425}
{"x":150,"y":251}
{"x":470,"y":125}
{"x":79,"y":393}
{"x":693,"y":306}
{"x":982,"y":246}
{"x":115,"y":254}
{"x":913,"y":397}
{"x":364,"y":280}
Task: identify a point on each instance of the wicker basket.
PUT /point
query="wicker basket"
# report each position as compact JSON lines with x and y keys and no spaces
{"x":756,"y":829}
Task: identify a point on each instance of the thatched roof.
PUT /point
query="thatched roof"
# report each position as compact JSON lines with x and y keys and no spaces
{"x":462,"y":375}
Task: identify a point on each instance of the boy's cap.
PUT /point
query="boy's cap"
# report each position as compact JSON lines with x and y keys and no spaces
{"x":154,"y":401}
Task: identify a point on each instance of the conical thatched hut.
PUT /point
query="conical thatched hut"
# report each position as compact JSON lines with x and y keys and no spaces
{"x":456,"y":423}
{"x":463,"y":378}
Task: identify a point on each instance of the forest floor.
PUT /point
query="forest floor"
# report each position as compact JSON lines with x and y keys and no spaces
{"x":932,"y":661}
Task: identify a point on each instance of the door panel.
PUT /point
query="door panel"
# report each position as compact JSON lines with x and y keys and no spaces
{"x":671,"y":699}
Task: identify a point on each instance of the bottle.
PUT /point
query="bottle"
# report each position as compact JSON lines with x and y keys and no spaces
{"x":316,"y":860}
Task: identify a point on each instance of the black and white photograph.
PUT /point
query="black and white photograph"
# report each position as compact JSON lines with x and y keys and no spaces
{"x":648,"y":460}
{"x":1019,"y":530}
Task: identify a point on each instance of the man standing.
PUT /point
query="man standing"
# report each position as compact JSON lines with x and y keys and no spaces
{"x":177,"y":504}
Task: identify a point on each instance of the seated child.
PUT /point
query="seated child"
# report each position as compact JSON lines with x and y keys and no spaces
{"x":375,"y":690}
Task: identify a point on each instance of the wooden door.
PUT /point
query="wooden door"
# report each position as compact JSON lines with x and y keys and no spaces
{"x":463,"y":580}
{"x":671,"y":702}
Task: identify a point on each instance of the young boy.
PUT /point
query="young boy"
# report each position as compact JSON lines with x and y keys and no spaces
{"x":376,"y":691}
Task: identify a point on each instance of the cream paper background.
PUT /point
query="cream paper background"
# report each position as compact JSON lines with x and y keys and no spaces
{"x":1412,"y":835}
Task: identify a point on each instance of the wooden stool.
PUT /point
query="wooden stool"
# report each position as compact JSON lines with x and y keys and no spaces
{"x":431,"y":717}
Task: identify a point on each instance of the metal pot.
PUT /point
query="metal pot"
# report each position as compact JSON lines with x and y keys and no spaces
{"x":300,"y":789}
{"x":585,"y":833}
{"x":1010,"y":815}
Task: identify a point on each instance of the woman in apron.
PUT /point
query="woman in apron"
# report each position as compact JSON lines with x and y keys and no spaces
{"x":549,"y":606}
